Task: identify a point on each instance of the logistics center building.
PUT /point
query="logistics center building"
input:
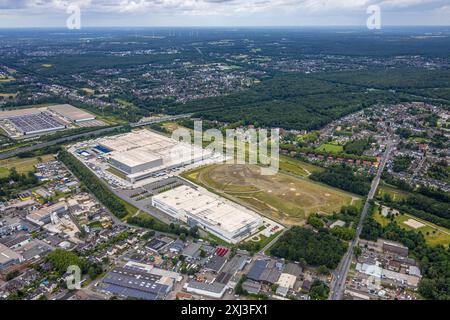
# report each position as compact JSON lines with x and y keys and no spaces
{"x":142,"y":154}
{"x":224,"y":219}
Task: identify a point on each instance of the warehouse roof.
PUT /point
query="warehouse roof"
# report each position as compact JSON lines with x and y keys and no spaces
{"x":134,"y":157}
{"x":214,"y":287}
{"x":72,"y":113}
{"x":6,"y":254}
{"x":209,"y":208}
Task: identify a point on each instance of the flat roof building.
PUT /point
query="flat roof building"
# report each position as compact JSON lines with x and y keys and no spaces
{"x":71,"y":113}
{"x":43,"y":216}
{"x":142,"y":153}
{"x":213,"y":290}
{"x":225,"y":219}
{"x":8,"y":257}
{"x":138,"y":284}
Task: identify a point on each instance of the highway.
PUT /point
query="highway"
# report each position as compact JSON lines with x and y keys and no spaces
{"x":38,"y":146}
{"x":340,"y":275}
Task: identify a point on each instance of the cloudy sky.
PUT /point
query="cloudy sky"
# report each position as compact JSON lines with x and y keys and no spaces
{"x":53,"y":13}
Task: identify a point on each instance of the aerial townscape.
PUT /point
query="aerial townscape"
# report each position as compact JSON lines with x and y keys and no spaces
{"x":110,"y":188}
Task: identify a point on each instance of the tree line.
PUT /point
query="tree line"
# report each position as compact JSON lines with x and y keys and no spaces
{"x":343,"y":177}
{"x":315,"y":248}
{"x":98,"y":188}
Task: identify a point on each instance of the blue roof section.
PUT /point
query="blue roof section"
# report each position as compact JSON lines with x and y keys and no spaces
{"x":128,"y":292}
{"x":256,"y":271}
{"x":132,"y":283}
{"x":102,"y":149}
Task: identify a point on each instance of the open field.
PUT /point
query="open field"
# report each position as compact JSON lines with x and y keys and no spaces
{"x":281,"y":197}
{"x":434,"y":235}
{"x":7,"y":95}
{"x":331,"y":147}
{"x":297,"y":167}
{"x":6,"y":80}
{"x":395,"y":193}
{"x":88,"y":90}
{"x":21,"y":165}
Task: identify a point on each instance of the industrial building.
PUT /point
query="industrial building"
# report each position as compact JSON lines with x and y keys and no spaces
{"x":37,"y":123}
{"x":137,"y":284}
{"x":142,"y":154}
{"x":140,"y":281}
{"x":71,"y":113}
{"x":224,"y":219}
{"x":9,"y":225}
{"x":44,"y":215}
{"x":213,"y":290}
{"x":8,"y":257}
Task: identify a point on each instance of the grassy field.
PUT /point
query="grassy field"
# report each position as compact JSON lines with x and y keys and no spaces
{"x":88,"y":90}
{"x":171,"y":126}
{"x":395,"y":193}
{"x":331,"y":148}
{"x":284,"y":198}
{"x":297,"y":167}
{"x":7,"y":95}
{"x":22,"y":165}
{"x":434,"y":235}
{"x":124,"y":103}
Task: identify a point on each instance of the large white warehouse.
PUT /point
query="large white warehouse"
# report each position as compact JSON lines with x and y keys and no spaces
{"x":142,"y":153}
{"x":224,"y":219}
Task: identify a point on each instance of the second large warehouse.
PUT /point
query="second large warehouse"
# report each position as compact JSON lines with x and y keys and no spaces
{"x":224,"y":219}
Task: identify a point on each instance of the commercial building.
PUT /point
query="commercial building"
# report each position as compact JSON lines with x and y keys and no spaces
{"x":285,"y":283}
{"x":128,"y":282}
{"x":395,"y":248}
{"x":265,"y":271}
{"x":213,"y":290}
{"x":37,"y":123}
{"x":142,"y":154}
{"x":224,"y":219}
{"x":44,"y":215}
{"x":8,"y":257}
{"x":71,"y":113}
{"x":390,"y":277}
{"x":9,"y":225}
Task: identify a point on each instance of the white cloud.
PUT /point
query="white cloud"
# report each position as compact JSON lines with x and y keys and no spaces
{"x":226,"y":8}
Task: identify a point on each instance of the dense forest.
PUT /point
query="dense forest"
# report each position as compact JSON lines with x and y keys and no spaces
{"x":316,"y":249}
{"x":343,"y":177}
{"x":357,"y":146}
{"x":290,"y":101}
{"x":401,"y":163}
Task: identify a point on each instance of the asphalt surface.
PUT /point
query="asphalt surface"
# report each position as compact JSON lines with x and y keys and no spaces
{"x":340,"y":275}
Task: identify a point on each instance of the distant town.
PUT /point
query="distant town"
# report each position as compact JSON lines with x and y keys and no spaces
{"x":101,"y":197}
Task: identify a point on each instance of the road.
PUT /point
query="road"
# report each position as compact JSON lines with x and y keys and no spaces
{"x":271,"y":243}
{"x":38,"y":146}
{"x":340,"y":275}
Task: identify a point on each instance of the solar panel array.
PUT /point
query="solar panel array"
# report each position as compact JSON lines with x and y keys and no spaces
{"x":132,"y":283}
{"x":36,"y":123}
